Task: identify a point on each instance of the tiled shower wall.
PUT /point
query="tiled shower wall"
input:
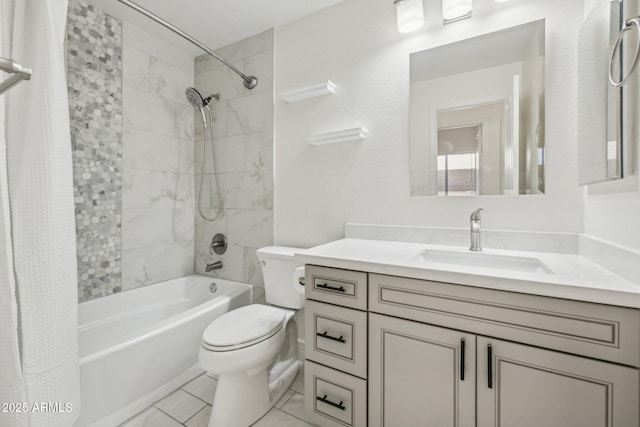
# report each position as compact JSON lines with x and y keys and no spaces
{"x":133,"y":180}
{"x":243,"y":141}
{"x":158,"y":143}
{"x":94,"y":74}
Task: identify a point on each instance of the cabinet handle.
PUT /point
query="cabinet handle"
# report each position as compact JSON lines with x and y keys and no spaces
{"x":329,"y":337}
{"x":328,"y":402}
{"x":330,"y":288}
{"x":490,"y":366}
{"x":462,"y":343}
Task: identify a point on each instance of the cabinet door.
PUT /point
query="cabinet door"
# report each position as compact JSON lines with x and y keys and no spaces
{"x":416,"y":374}
{"x":525,"y":386}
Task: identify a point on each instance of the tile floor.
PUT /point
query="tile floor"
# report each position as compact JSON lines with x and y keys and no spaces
{"x":190,"y":406}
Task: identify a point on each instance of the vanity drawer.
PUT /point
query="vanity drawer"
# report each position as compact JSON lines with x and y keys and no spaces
{"x":336,"y":337}
{"x":333,"y":398}
{"x":335,"y":286}
{"x":593,"y":330}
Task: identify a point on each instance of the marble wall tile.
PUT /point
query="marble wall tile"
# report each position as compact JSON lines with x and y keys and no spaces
{"x":207,"y":198}
{"x":153,"y":227}
{"x":144,"y":266}
{"x":258,"y":151}
{"x":245,"y":48}
{"x":244,"y":155}
{"x":135,"y":68}
{"x":144,"y":111}
{"x":243,"y":190}
{"x":146,"y":150}
{"x":205,"y":230}
{"x":252,"y":271}
{"x":184,"y":122}
{"x":150,"y":44}
{"x":229,"y":152}
{"x":155,"y":190}
{"x":250,"y":228}
{"x":248,"y":114}
{"x":168,"y":81}
{"x":223,"y":81}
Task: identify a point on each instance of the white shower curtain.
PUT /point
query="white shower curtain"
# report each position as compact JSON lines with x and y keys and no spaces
{"x":38,"y":275}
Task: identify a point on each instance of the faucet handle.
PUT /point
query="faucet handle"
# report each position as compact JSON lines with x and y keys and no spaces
{"x":475,"y":215}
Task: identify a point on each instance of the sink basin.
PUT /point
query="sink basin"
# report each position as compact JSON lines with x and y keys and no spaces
{"x":482,"y":260}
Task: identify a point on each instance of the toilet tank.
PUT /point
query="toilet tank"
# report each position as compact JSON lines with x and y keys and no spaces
{"x":278,"y":267}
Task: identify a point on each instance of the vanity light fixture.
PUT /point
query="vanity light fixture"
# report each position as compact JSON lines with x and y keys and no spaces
{"x":409,"y":15}
{"x":455,"y":10}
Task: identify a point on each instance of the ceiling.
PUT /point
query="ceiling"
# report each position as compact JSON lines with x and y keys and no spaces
{"x":216,"y":23}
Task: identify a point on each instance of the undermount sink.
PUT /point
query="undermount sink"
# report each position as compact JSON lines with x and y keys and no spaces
{"x":482,"y":260}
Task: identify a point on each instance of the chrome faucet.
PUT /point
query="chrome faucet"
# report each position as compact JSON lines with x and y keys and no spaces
{"x":475,"y":231}
{"x":215,"y":266}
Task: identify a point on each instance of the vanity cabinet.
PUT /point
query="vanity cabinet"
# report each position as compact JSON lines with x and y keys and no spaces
{"x":420,"y":375}
{"x":440,"y":354}
{"x":524,"y":386}
{"x":505,"y":383}
{"x":336,"y":347}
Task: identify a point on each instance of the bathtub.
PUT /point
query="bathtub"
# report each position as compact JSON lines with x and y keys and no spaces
{"x":139,"y":345}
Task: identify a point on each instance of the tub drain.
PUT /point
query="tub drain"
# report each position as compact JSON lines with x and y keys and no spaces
{"x":213,"y":287}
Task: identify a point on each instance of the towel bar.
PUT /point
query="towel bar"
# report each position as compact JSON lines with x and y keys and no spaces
{"x":18,"y":73}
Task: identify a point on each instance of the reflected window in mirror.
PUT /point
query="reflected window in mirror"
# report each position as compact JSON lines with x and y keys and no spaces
{"x":477,"y":115}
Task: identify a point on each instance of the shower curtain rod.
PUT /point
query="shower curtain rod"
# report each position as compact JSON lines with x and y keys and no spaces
{"x":249,"y":81}
{"x":19,"y":73}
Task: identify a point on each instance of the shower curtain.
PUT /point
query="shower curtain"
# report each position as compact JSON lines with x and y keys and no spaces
{"x":38,"y":281}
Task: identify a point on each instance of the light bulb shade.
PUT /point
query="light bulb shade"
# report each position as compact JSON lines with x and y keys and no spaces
{"x":453,"y":10}
{"x":409,"y":14}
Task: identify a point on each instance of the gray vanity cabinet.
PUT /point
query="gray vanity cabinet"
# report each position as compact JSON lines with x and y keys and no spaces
{"x":519,"y":385}
{"x":420,"y":375}
{"x":412,"y":352}
{"x":506,"y":384}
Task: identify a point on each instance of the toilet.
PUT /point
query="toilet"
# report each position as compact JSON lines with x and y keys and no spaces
{"x":254,"y":348}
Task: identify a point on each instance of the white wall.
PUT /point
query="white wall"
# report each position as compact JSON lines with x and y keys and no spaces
{"x":356,"y":45}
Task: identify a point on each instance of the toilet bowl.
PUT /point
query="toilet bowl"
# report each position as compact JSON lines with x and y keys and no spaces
{"x":253,"y":349}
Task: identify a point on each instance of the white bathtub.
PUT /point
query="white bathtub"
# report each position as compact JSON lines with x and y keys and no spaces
{"x":137,"y":346}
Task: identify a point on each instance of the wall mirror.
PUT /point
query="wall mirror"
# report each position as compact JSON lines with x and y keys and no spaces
{"x":600,"y":109}
{"x":477,"y":115}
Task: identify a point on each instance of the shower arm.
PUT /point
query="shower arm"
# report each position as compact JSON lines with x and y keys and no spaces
{"x":249,"y":81}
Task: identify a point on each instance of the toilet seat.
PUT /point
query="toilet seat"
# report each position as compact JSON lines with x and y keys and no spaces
{"x":243,"y":327}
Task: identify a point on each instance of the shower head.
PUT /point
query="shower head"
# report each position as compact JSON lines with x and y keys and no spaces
{"x":194,"y":98}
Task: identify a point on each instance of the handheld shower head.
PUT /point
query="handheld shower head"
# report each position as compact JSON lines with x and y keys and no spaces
{"x":195,"y":99}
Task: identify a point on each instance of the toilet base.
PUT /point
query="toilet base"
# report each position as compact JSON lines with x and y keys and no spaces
{"x":243,"y":399}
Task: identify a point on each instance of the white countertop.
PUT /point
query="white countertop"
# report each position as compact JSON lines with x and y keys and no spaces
{"x":573,"y":276}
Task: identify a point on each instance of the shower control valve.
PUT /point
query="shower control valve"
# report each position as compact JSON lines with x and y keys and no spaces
{"x":218,"y":244}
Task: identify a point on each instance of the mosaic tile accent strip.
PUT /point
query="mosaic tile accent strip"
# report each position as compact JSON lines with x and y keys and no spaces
{"x":94,"y":74}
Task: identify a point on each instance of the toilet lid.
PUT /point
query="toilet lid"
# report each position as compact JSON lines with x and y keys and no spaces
{"x":243,"y":327}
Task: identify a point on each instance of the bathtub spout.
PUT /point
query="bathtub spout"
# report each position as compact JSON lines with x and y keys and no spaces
{"x":215,"y":266}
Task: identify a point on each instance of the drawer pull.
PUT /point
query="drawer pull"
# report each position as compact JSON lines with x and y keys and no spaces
{"x":489,"y":366}
{"x":330,"y":288}
{"x":329,"y":337}
{"x":328,"y":402}
{"x":462,"y":359}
